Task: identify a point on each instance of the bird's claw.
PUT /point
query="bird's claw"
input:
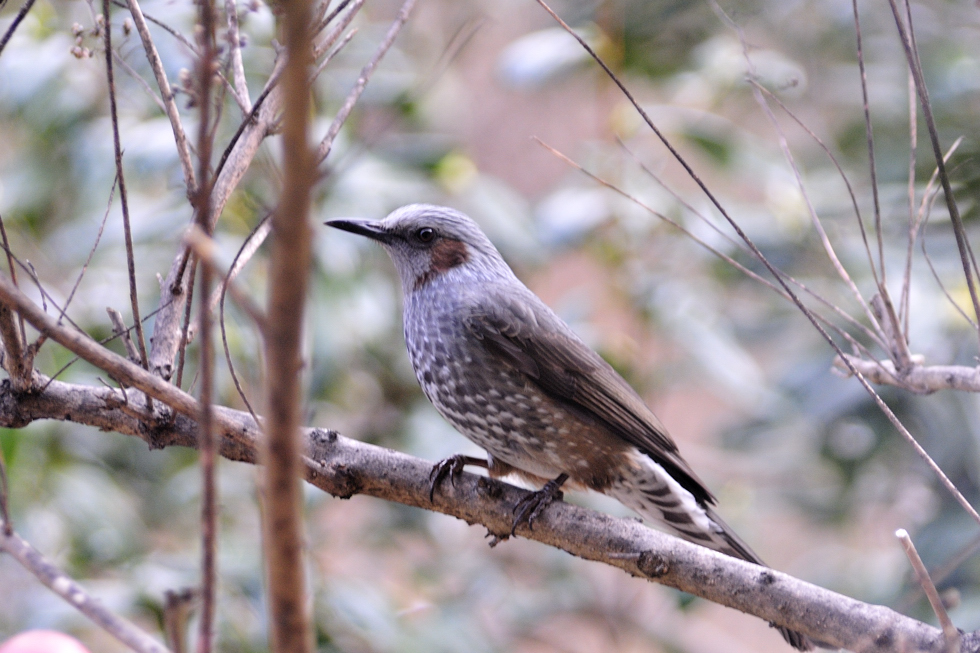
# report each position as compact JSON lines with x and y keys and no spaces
{"x":529,"y":508}
{"x":451,"y":467}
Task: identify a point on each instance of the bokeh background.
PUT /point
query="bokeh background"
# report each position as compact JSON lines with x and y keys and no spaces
{"x":806,"y":468}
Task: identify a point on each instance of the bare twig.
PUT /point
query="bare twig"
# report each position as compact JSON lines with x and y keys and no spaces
{"x":338,"y":29}
{"x":176,"y":612}
{"x":64,"y":586}
{"x":119,"y":328}
{"x":13,"y":271}
{"x":954,"y":212}
{"x":167,"y":96}
{"x":21,"y":14}
{"x":247,"y":250}
{"x":205,"y":251}
{"x":139,"y":80}
{"x":869,"y":134}
{"x":323,"y":151}
{"x":123,"y":198}
{"x":235,"y":57}
{"x":185,"y":325}
{"x":950,"y":633}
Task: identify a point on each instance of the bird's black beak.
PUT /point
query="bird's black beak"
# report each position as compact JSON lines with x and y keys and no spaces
{"x":369,"y":228}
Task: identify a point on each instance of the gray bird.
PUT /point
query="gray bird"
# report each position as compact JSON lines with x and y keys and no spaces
{"x":511,"y":376}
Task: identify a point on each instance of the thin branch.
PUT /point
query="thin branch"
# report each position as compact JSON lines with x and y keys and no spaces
{"x":245,"y":252}
{"x":120,"y":330}
{"x":139,"y":80}
{"x":950,"y":632}
{"x":334,"y":34}
{"x":871,"y":335}
{"x":123,"y":198}
{"x":167,"y":96}
{"x":26,"y":7}
{"x":954,"y":212}
{"x":206,"y":252}
{"x":872,"y":169}
{"x":185,"y":325}
{"x":904,"y":306}
{"x":13,"y":271}
{"x":234,"y":41}
{"x":183,"y":40}
{"x":810,"y":315}
{"x":323,"y":151}
{"x":64,"y":586}
{"x":176,"y":613}
{"x":814,"y":218}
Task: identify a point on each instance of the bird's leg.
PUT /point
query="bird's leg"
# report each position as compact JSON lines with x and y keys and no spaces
{"x":528,"y":508}
{"x":452,"y":467}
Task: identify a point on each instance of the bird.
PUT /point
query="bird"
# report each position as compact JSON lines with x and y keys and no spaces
{"x":509,"y":374}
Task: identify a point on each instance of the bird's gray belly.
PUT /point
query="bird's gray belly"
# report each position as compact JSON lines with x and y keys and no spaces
{"x":487,"y":401}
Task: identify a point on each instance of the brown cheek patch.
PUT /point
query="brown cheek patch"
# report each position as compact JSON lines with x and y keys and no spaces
{"x":448,"y":254}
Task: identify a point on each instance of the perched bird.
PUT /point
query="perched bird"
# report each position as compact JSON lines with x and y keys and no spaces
{"x":511,"y":376}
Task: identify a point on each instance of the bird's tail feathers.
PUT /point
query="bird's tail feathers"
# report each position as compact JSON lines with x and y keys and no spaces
{"x":652,"y":492}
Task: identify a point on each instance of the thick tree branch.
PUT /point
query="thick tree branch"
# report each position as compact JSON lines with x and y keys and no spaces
{"x":344,"y":467}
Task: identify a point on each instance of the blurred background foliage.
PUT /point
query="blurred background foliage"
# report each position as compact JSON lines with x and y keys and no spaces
{"x":805,"y":466}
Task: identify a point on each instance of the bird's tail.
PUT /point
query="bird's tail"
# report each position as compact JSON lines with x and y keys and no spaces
{"x":652,"y":492}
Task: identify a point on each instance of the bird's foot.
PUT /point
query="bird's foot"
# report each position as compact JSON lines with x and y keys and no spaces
{"x":451,"y":467}
{"x":528,"y":508}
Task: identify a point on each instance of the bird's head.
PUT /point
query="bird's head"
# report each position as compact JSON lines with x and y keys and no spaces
{"x":426,"y":242}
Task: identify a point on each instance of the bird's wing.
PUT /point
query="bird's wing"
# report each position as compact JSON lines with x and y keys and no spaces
{"x":520,"y":329}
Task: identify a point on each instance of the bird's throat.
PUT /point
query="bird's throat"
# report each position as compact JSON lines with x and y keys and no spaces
{"x":446,"y":254}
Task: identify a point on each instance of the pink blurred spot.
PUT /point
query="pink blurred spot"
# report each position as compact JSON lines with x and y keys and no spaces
{"x":42,"y":641}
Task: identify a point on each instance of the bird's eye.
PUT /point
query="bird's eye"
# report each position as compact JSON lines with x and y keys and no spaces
{"x":425,"y":234}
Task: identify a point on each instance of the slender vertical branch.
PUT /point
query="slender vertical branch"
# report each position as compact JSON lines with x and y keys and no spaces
{"x":204,"y":76}
{"x":123,"y":198}
{"x":930,"y":121}
{"x":13,"y":272}
{"x":289,"y":619}
{"x":869,"y":133}
{"x":235,"y":56}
